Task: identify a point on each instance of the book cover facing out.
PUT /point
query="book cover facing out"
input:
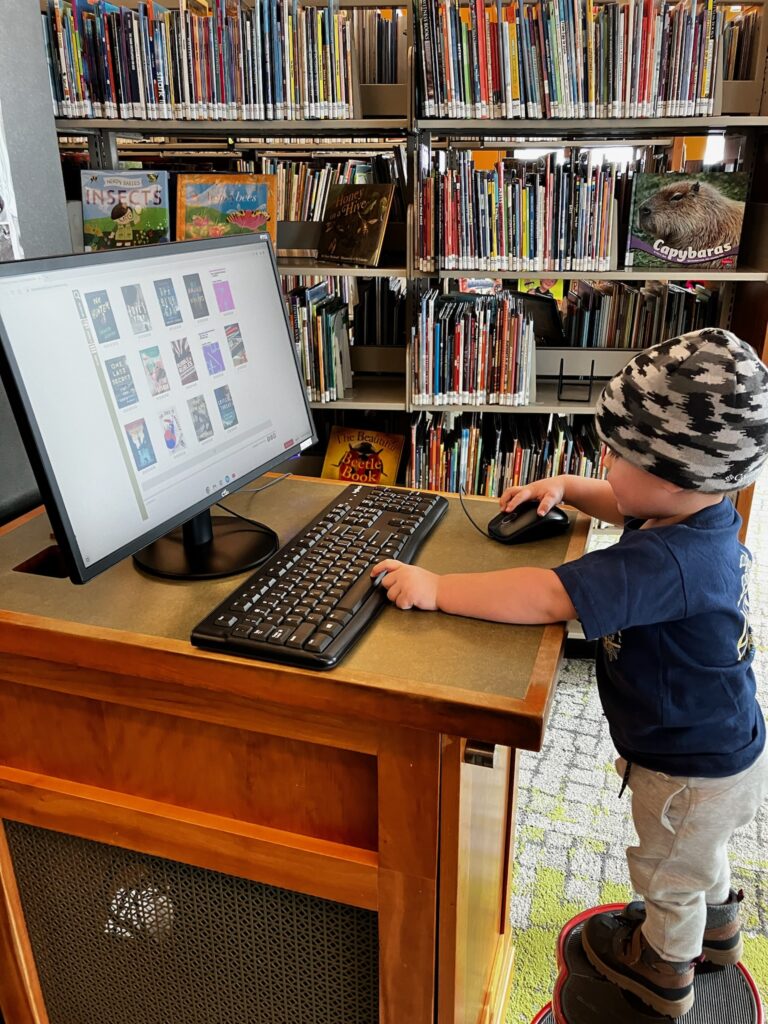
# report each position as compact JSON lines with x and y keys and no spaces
{"x":355,"y":455}
{"x":125,"y":208}
{"x":686,"y":219}
{"x":355,"y":221}
{"x":215,"y":205}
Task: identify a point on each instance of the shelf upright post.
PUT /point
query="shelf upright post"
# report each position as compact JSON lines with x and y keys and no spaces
{"x":102,"y":150}
{"x":26,"y":115}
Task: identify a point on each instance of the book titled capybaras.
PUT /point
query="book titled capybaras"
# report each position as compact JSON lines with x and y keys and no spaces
{"x":686,"y":219}
{"x":356,"y":218}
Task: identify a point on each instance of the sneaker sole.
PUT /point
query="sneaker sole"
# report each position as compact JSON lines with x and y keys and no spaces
{"x":724,"y":957}
{"x":669,"y":1007}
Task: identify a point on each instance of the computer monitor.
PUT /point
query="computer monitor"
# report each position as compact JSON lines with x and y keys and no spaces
{"x":148,"y":384}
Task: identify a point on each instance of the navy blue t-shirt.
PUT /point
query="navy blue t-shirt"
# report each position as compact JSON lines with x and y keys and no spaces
{"x":674,"y":666}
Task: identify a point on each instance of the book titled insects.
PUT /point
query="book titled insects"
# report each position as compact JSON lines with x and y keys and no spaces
{"x":215,"y":205}
{"x":355,"y":220}
{"x":124,"y":208}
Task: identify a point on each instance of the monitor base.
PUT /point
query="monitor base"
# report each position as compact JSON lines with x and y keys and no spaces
{"x":196,"y":552}
{"x":724,"y":995}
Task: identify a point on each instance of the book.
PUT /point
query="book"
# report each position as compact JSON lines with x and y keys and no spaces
{"x":140,"y":444}
{"x":185,"y":363}
{"x":686,"y":219}
{"x":201,"y":421}
{"x":173,"y":434}
{"x":125,"y":208}
{"x":355,"y":220}
{"x":542,"y":286}
{"x":102,"y":316}
{"x":138,"y":314}
{"x":154,"y":368}
{"x":356,"y":455}
{"x":215,"y":205}
{"x":121,"y":380}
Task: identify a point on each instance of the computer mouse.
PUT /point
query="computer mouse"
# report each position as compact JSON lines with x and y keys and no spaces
{"x":524,"y":524}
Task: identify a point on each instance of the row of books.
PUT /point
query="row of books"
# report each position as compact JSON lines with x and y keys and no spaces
{"x":569,"y":58}
{"x":270,"y":60}
{"x":318,"y":319}
{"x":381,"y":43}
{"x":566,"y":211}
{"x":473,"y":350}
{"x":302,"y":186}
{"x":484,"y":453}
{"x":740,"y":39}
{"x":525,"y":216}
{"x":623,"y":314}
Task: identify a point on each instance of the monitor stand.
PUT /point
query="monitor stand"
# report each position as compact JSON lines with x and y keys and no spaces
{"x":208,"y":547}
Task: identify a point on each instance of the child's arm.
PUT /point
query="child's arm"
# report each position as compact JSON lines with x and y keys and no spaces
{"x":524,"y":595}
{"x":593,"y":497}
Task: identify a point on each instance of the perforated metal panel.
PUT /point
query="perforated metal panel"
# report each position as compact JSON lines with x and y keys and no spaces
{"x":124,"y":938}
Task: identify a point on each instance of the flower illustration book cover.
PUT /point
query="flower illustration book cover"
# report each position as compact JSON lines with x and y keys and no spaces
{"x":214,"y":205}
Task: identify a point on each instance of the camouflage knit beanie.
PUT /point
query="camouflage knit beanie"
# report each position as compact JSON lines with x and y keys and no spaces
{"x":692,"y":410}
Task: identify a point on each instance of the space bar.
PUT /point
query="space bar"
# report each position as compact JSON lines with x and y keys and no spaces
{"x":358,"y":593}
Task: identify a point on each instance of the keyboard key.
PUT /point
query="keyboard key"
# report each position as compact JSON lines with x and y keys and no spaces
{"x":318,"y":642}
{"x":300,"y":635}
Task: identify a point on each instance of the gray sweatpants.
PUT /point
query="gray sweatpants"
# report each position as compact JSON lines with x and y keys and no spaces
{"x":681,"y":861}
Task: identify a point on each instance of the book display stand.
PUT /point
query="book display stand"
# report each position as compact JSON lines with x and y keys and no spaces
{"x":724,"y":995}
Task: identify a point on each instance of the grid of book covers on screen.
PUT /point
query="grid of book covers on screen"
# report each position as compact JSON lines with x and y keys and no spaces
{"x":279,"y":59}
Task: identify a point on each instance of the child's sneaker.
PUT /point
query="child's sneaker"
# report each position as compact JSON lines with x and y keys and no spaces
{"x":722,"y":943}
{"x":617,"y":949}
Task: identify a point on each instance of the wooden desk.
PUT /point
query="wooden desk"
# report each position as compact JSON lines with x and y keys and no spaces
{"x":349,"y":785}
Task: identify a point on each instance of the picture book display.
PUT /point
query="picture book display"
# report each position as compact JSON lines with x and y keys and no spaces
{"x":356,"y":218}
{"x":215,"y":205}
{"x":686,"y":219}
{"x":362,"y":456}
{"x":125,"y":208}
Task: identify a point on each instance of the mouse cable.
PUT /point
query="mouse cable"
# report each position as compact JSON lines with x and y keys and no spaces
{"x":255,"y":490}
{"x":466,"y":513}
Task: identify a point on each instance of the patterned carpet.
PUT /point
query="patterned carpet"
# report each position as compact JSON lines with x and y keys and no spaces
{"x":572,"y":829}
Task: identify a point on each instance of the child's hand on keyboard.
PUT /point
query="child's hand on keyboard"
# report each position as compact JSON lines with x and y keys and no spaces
{"x":408,"y":586}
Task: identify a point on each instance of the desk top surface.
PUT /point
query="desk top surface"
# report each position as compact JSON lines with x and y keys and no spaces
{"x":438,"y":661}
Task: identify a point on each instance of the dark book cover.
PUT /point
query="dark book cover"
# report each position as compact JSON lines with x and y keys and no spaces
{"x":140,"y":444}
{"x":226,"y":406}
{"x":185,"y":362}
{"x":102,"y":317}
{"x":201,"y":421}
{"x":169,"y":303}
{"x":120,"y":378}
{"x":196,"y":295}
{"x":355,"y":221}
{"x":138,"y":313}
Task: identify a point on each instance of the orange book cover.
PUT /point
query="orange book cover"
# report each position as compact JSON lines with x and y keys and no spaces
{"x":355,"y":455}
{"x":214,"y":205}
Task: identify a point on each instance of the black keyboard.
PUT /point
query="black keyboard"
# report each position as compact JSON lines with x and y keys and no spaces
{"x":311,"y":601}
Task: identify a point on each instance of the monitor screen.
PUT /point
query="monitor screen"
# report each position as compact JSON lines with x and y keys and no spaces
{"x":149,"y":383}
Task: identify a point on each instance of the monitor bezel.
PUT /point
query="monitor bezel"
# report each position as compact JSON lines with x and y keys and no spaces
{"x":34,"y":444}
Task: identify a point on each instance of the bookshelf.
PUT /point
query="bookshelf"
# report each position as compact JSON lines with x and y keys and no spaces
{"x":393,"y":115}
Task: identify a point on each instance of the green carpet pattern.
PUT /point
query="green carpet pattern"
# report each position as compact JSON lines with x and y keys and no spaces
{"x":572,"y":829}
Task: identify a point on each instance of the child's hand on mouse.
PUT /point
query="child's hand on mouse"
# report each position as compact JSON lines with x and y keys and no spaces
{"x":408,"y":586}
{"x":548,"y":493}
